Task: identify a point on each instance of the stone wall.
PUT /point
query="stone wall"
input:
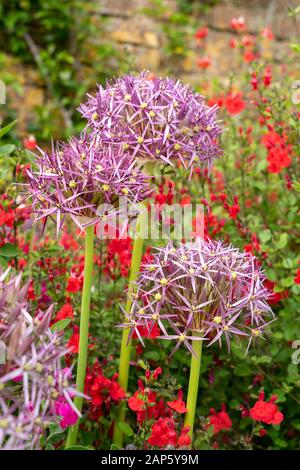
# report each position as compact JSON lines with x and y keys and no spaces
{"x":129,"y":28}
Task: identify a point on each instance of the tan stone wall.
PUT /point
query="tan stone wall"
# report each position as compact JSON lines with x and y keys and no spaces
{"x":128,"y":27}
{"x":142,"y":35}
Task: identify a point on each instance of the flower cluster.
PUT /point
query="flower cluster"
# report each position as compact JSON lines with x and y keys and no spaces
{"x":266,"y":411}
{"x":102,"y":390}
{"x":219,"y":420}
{"x":155,"y":119}
{"x":34,"y":387}
{"x":79,"y":177}
{"x":279,"y":151}
{"x":150,"y":408}
{"x":145,"y":404}
{"x":164,"y":435}
{"x":203,"y":291}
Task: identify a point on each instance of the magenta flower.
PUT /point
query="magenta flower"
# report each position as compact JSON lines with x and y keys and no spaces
{"x":32,"y":379}
{"x":64,"y":410}
{"x":204,"y":291}
{"x":155,"y":119}
{"x":75,"y":179}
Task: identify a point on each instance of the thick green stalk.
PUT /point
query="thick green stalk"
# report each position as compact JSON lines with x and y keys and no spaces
{"x":84,"y":328}
{"x":136,"y":259}
{"x":193,"y":386}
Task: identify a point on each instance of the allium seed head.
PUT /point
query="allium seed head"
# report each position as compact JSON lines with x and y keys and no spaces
{"x":32,"y":379}
{"x":204,"y":290}
{"x":76,"y":178}
{"x":156,"y":119}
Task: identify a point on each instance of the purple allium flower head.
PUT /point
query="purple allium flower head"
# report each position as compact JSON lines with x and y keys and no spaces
{"x":204,"y":290}
{"x":32,"y":378}
{"x":155,"y":119}
{"x":76,"y":178}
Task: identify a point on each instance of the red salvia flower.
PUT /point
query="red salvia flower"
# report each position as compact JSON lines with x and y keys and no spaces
{"x":266,"y":411}
{"x":65,"y":312}
{"x":73,"y":284}
{"x":178,"y":405}
{"x":204,"y":62}
{"x":201,"y":33}
{"x":220,"y":420}
{"x":234,"y":103}
{"x":30,"y":142}
{"x":163,"y":433}
{"x":184,"y":439}
{"x":297,"y":277}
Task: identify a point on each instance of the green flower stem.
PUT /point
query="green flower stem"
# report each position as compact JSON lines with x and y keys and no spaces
{"x":136,"y":259}
{"x":193,"y":386}
{"x":31,"y":248}
{"x":84,"y":328}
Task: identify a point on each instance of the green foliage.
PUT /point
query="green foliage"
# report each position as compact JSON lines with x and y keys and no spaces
{"x":64,"y":42}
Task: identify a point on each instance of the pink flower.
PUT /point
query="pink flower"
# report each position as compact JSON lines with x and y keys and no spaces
{"x":267,"y":33}
{"x":238,"y":24}
{"x":64,"y":410}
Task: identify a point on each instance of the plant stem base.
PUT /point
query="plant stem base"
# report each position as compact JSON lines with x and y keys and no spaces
{"x":84,"y":329}
{"x":193,"y":386}
{"x":136,"y":259}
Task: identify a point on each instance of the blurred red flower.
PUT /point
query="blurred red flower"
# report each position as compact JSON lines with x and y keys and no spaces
{"x":234,"y":103}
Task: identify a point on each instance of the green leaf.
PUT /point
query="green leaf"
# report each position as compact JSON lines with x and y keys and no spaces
{"x":265,"y":235}
{"x":242,"y":370}
{"x":125,"y":428}
{"x":281,"y":243}
{"x":49,"y":446}
{"x":287,"y":282}
{"x":55,"y":430}
{"x":104,"y":421}
{"x":142,"y":364}
{"x":296,"y":424}
{"x":9,"y":251}
{"x":152,"y":355}
{"x":80,"y":448}
{"x":6,"y":149}
{"x":60,"y":325}
{"x":295,"y":47}
{"x":296,"y":186}
{"x":7,"y":128}
{"x":114,"y":447}
{"x":261,"y":166}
